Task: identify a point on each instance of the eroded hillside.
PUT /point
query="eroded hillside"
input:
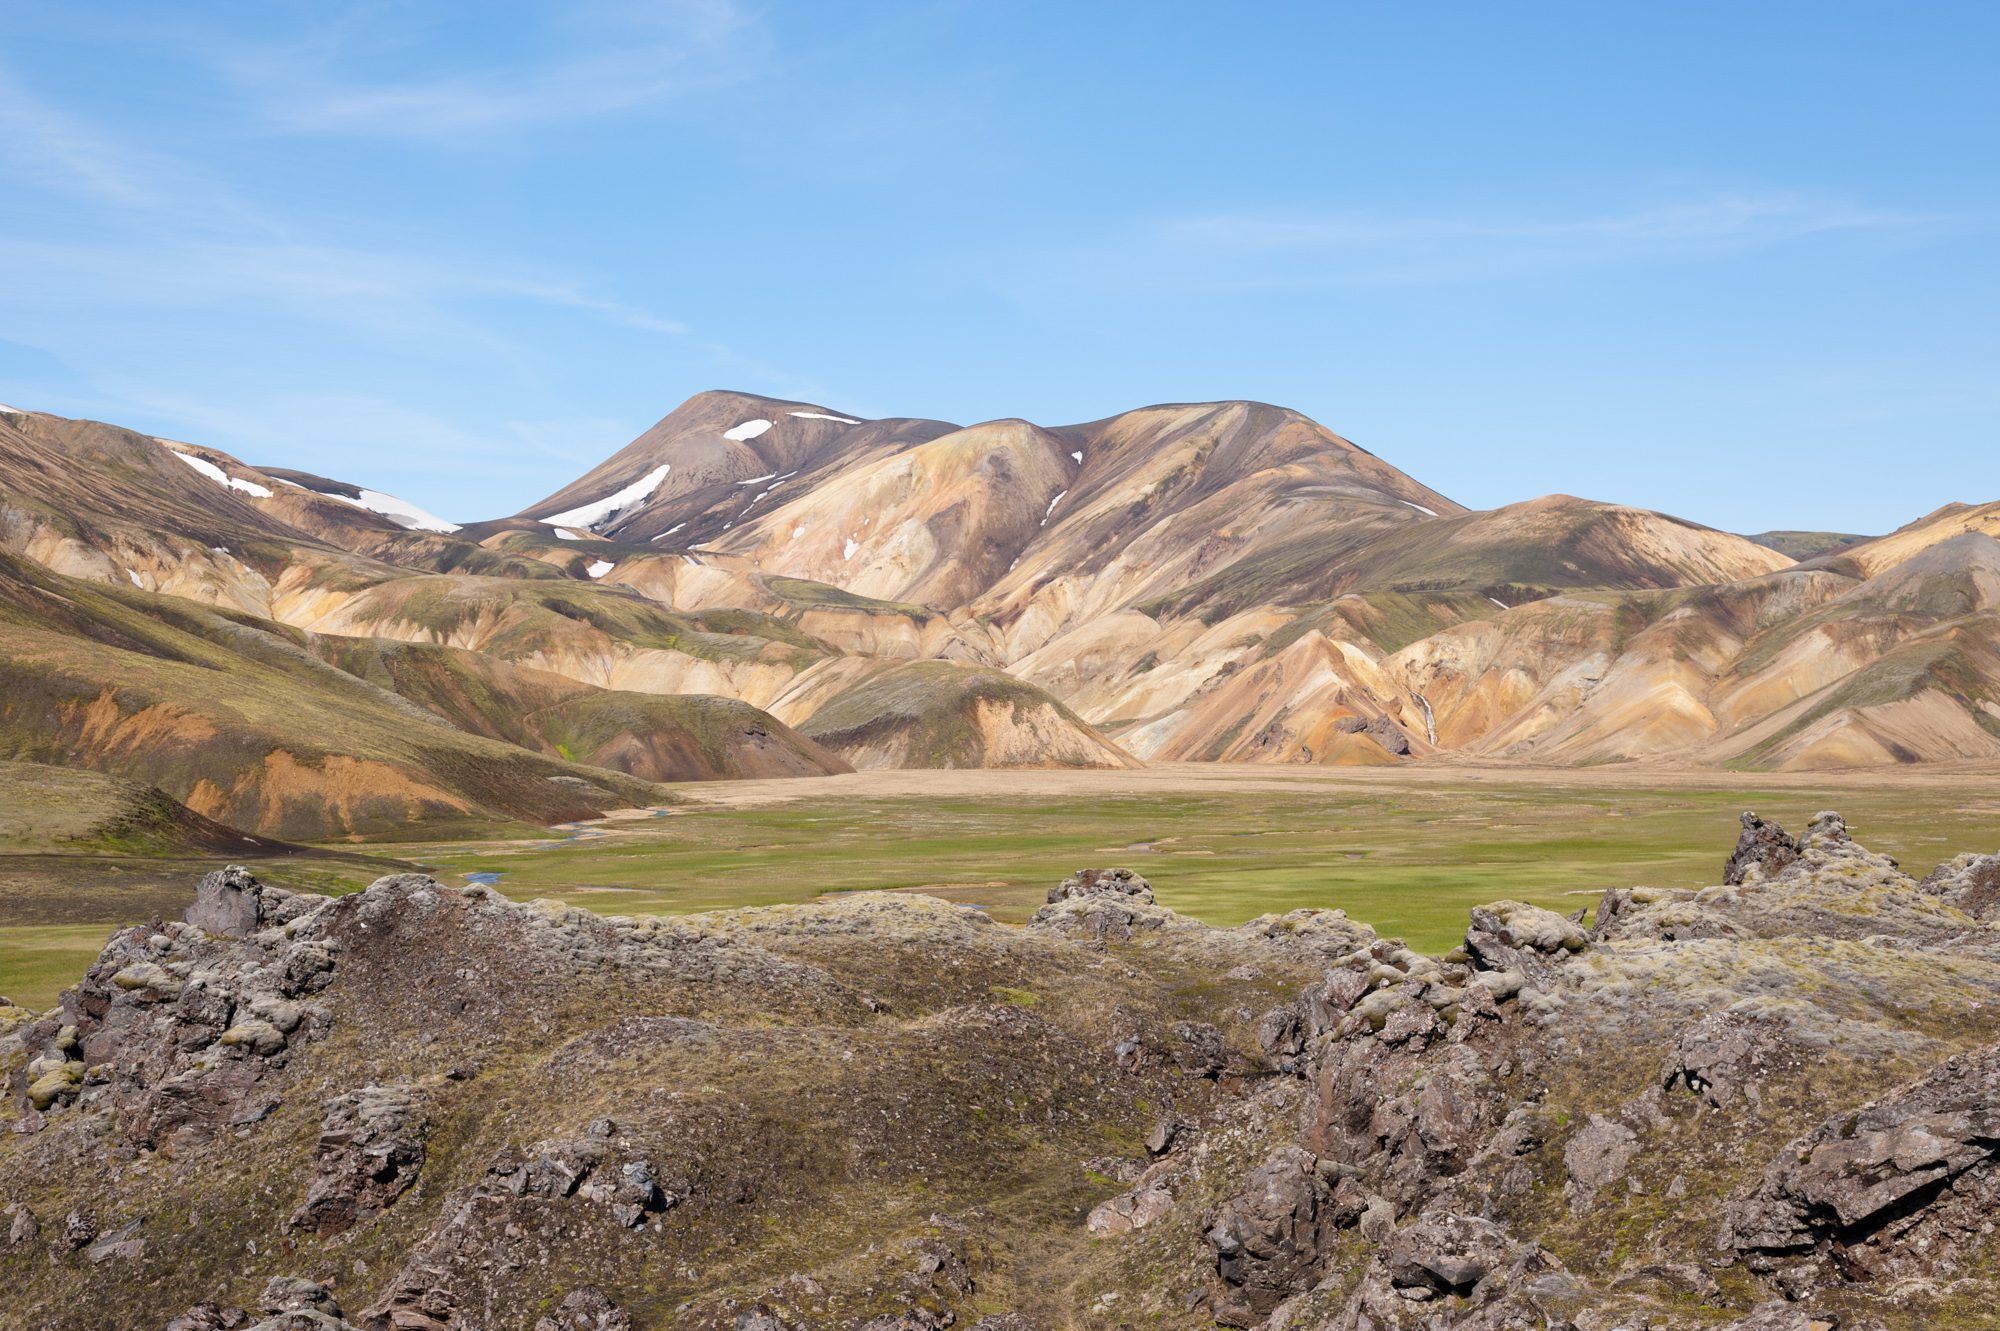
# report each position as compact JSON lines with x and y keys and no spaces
{"x":1196,"y":582}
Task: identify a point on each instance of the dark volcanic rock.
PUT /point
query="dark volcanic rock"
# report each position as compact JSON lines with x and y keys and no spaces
{"x":1894,"y":1189}
{"x":585,"y":1310}
{"x":1102,"y":883}
{"x":851,"y":1113}
{"x":1380,"y":729}
{"x":369,"y":1151}
{"x":291,"y":1304}
{"x":1102,"y":905}
{"x":1267,"y":1240}
{"x":1726,"y":1057}
{"x":1971,"y":883}
{"x":227,"y":902}
{"x":1762,"y":851}
{"x":1462,"y":1272}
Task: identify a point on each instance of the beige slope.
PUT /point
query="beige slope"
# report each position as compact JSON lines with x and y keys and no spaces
{"x":1167,"y":496}
{"x":1167,"y":686}
{"x":1591,"y":543}
{"x":596,"y":635}
{"x":1511,"y":554}
{"x":934,"y":524}
{"x":1928,"y":727}
{"x":937,"y":714}
{"x":1308,"y":703}
{"x":1126,"y":667}
{"x":1886,"y":552}
{"x":1596,"y":677}
{"x":1803,"y":669}
{"x":110,"y":505}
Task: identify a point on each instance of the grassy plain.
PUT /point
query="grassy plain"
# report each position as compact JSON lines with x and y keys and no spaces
{"x":1406,"y":850}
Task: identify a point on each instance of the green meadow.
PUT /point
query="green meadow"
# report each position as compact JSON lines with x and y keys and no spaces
{"x":1408,"y":858}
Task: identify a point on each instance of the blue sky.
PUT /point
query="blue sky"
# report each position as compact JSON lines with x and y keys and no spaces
{"x":1737,"y":262}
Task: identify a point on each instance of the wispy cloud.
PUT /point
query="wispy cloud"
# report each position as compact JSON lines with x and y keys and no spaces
{"x":1190,"y":256}
{"x":46,"y":148}
{"x":1372,"y":247}
{"x":143,"y":271}
{"x":362,"y":428}
{"x":160,"y":234}
{"x":585,"y":60}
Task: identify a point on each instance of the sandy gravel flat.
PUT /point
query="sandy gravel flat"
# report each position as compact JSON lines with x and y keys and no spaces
{"x":1182,"y":778}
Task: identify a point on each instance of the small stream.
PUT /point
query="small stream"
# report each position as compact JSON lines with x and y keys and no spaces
{"x":572,"y":833}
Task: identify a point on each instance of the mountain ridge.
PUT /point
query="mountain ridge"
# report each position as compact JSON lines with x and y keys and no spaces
{"x":1218,"y":581}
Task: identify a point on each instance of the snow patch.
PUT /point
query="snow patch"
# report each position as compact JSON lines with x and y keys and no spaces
{"x":747,"y":430}
{"x":600,"y":567}
{"x":16,"y":411}
{"x":847,"y":551}
{"x":595,"y":513}
{"x":798,"y":532}
{"x":1428,"y":512}
{"x":822,"y":416}
{"x":564,"y":534}
{"x":133,"y":574}
{"x":1502,"y":604}
{"x":1078,"y":455}
{"x":399,"y":511}
{"x":221,"y":477}
{"x":757,"y":480}
{"x":204,"y":466}
{"x":1052,"y":506}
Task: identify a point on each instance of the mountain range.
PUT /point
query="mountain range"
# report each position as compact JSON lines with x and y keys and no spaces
{"x":756,"y":587}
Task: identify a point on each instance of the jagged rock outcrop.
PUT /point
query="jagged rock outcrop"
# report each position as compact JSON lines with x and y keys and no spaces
{"x":228,"y":902}
{"x":370,"y":1148}
{"x":1905,"y":1186}
{"x":1971,"y":883}
{"x":1763,"y":851}
{"x":1102,"y":905}
{"x":1726,"y":1057}
{"x":1381,"y":729}
{"x":175,"y":1028}
{"x":1268,"y":1239}
{"x":585,"y":1310}
{"x":1464,"y":1108}
{"x":1767,"y":1104}
{"x":1486,"y":1278}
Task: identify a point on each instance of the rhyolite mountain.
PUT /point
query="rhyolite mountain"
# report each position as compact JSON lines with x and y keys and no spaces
{"x":1222,"y":581}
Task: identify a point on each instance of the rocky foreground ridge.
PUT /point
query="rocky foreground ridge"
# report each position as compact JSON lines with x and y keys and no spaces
{"x":1770,"y":1104}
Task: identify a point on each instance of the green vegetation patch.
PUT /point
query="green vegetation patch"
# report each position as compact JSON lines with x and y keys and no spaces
{"x":1408,"y":859}
{"x":933,"y":703}
{"x":809,"y":595}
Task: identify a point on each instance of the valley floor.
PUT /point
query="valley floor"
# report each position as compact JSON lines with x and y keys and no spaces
{"x":1406,"y":850}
